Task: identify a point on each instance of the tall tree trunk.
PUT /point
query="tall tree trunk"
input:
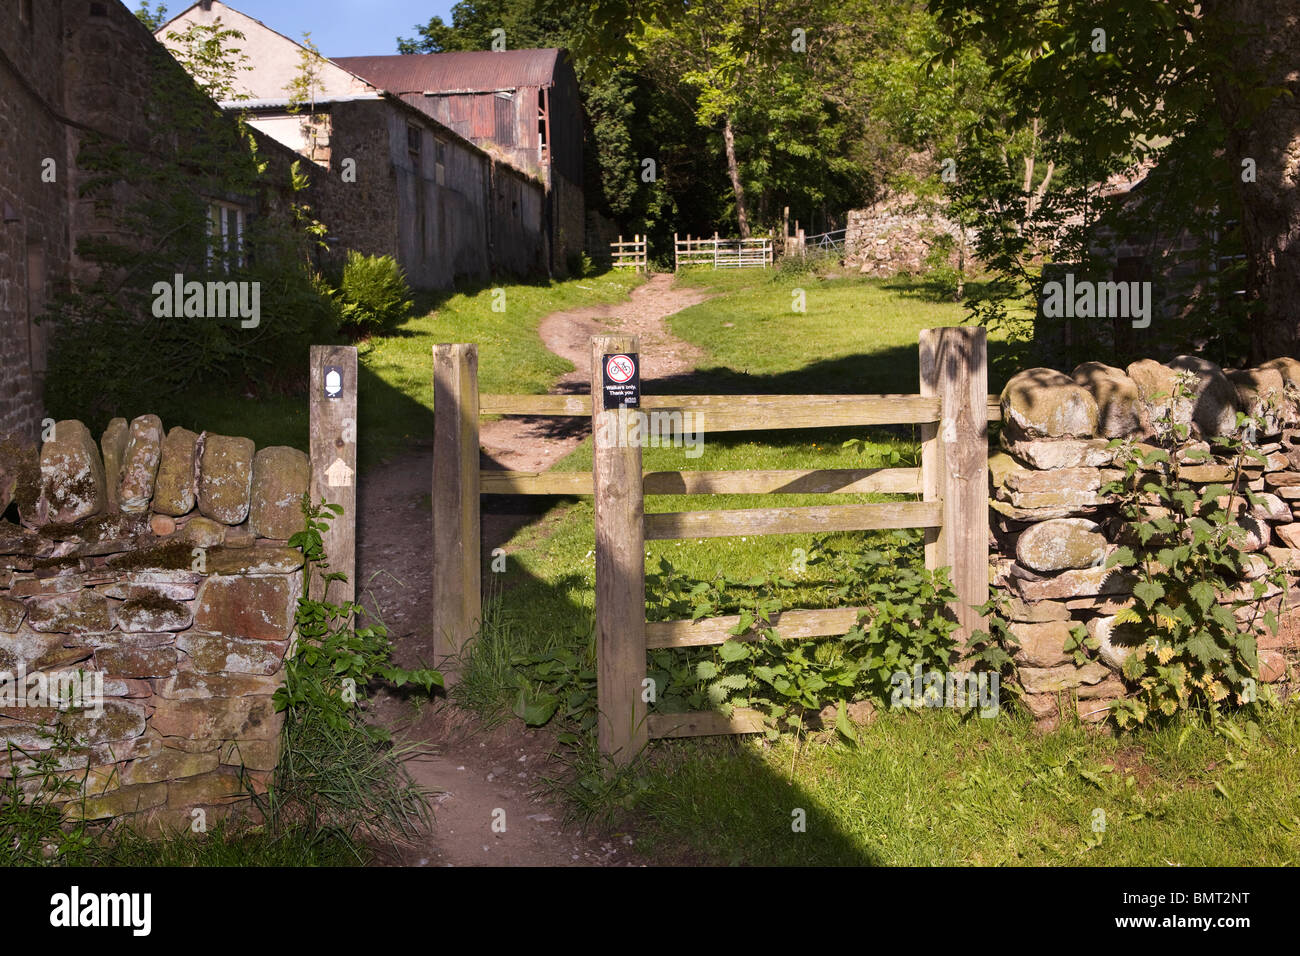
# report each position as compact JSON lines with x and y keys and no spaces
{"x":733,"y":170}
{"x":1269,"y":55}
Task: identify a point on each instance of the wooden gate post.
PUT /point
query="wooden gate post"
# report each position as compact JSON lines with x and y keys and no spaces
{"x":954,"y":465}
{"x":620,"y":567}
{"x":457,"y":574}
{"x":332,"y":425}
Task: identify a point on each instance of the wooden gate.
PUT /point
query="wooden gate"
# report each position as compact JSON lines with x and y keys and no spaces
{"x":952,"y":408}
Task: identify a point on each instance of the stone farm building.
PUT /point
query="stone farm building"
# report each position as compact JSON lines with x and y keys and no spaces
{"x":521,"y":104}
{"x":73,"y":73}
{"x":447,"y":194}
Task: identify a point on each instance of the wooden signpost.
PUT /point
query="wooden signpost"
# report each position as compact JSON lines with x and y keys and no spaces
{"x":620,"y":562}
{"x":333,"y":427}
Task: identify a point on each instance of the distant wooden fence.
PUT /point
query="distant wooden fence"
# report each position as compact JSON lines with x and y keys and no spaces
{"x":952,"y":408}
{"x":629,"y":255}
{"x":722,"y":253}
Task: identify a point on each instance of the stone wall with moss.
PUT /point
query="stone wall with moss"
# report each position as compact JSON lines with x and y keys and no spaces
{"x":1054,"y":527}
{"x":156,"y":562}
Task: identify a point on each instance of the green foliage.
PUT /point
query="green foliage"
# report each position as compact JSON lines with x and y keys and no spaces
{"x":333,"y":660}
{"x":33,"y":798}
{"x":904,"y":624}
{"x":1186,"y":551}
{"x":110,"y":352}
{"x":205,"y":50}
{"x":338,"y":773}
{"x":151,"y":18}
{"x":302,"y":89}
{"x":374,"y":293}
{"x":1162,"y":95}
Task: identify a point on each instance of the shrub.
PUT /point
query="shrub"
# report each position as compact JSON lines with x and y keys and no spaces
{"x":1198,"y":608}
{"x":374,"y":293}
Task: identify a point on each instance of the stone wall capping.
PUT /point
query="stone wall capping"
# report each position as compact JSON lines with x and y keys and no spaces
{"x":157,"y":562}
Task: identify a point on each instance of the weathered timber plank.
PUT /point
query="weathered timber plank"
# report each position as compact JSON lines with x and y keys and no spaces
{"x":332,"y":424}
{"x":457,"y":583}
{"x":620,"y":572}
{"x":790,"y":625}
{"x":954,"y":459}
{"x":741,"y":412}
{"x":727,"y":523}
{"x":846,"y":481}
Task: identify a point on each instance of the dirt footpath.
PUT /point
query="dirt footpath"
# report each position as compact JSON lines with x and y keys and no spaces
{"x":485,"y":783}
{"x":535,"y":444}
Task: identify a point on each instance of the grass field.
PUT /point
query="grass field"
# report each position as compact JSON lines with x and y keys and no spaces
{"x":918,"y":789}
{"x":395,"y":392}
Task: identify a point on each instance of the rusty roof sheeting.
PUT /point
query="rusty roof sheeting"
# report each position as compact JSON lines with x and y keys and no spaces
{"x":460,"y":71}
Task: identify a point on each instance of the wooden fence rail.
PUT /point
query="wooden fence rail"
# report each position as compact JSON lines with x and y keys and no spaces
{"x":952,"y":410}
{"x":630,"y":255}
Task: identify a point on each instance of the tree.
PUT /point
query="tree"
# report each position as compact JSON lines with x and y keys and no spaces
{"x":302,"y":90}
{"x":1208,"y":84}
{"x":154,"y":18}
{"x":206,"y":52}
{"x":1259,"y":101}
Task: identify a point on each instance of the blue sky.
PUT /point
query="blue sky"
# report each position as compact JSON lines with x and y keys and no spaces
{"x":338,"y":27}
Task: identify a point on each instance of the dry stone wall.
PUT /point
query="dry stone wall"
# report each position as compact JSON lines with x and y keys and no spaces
{"x":147,"y":601}
{"x":896,"y":236}
{"x":1053,"y":526}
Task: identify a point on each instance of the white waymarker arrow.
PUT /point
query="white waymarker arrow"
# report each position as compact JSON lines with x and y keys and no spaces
{"x":338,"y":475}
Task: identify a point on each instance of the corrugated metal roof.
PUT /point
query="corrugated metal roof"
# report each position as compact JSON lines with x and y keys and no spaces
{"x":473,"y":70}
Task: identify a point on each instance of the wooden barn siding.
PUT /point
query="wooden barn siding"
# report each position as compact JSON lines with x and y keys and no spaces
{"x":519,"y":241}
{"x":474,"y":116}
{"x":442,"y":230}
{"x":481,"y":221}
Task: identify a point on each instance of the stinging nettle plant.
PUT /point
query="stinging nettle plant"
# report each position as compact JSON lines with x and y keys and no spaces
{"x":1187,"y":550}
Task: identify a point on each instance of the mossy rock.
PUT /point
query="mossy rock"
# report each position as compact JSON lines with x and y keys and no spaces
{"x":1044,"y":403}
{"x":280,"y":478}
{"x":20,"y":473}
{"x":174,"y":486}
{"x":72,"y":475}
{"x":140,"y":463}
{"x":225,"y":478}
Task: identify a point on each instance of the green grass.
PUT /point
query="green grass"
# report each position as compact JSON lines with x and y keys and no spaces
{"x":857,"y":335}
{"x":920,"y":789}
{"x":395,"y":392}
{"x":930,"y":789}
{"x":232,"y":846}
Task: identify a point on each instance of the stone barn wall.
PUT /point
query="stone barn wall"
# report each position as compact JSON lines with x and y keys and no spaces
{"x":156,"y":562}
{"x":1053,"y":528}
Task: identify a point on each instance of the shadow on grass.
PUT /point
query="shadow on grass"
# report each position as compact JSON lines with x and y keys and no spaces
{"x":890,"y":371}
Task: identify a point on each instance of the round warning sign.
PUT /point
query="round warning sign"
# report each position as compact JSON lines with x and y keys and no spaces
{"x":620,"y":369}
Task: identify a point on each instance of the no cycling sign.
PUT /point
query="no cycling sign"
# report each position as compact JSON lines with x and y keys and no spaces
{"x":621,"y":378}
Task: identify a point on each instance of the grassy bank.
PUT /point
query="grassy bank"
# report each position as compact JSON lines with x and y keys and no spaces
{"x":919,"y":788}
{"x":395,"y":393}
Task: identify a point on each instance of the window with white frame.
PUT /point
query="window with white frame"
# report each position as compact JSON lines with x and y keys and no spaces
{"x":226,"y":226}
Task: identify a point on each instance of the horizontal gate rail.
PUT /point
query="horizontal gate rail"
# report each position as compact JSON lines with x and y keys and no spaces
{"x":760,"y":521}
{"x":825,"y":481}
{"x":952,"y":411}
{"x":889,"y":409}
